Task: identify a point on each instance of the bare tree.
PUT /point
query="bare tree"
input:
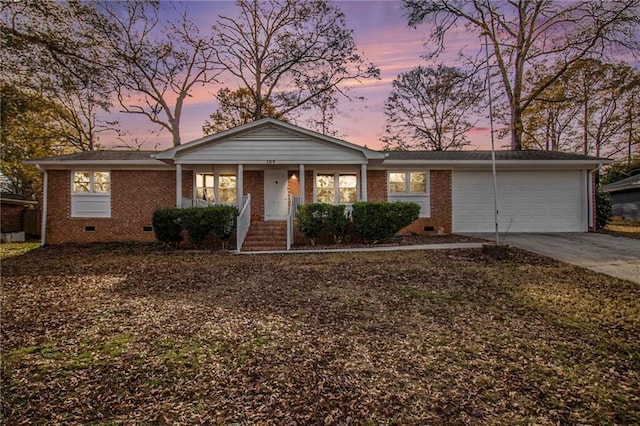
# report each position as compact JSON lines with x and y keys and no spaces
{"x":429,"y":108}
{"x":525,"y":32}
{"x":289,"y":53}
{"x":157,"y":65}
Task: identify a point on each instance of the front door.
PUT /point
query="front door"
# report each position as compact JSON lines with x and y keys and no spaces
{"x":276,"y":196}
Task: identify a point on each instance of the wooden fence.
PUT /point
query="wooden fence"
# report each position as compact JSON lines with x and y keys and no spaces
{"x":31,"y":221}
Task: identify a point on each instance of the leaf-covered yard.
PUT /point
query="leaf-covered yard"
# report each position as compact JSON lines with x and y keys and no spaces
{"x":136,"y":335}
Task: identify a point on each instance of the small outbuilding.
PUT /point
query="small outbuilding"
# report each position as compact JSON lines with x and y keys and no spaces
{"x":625,"y":197}
{"x":12,"y":209}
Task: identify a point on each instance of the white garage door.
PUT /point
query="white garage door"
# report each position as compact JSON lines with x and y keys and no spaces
{"x":527,"y":201}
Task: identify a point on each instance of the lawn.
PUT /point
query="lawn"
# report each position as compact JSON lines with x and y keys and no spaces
{"x":111,"y":334}
{"x":623,"y":228}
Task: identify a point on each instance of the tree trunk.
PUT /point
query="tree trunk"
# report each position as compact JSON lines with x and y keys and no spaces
{"x":516,"y":128}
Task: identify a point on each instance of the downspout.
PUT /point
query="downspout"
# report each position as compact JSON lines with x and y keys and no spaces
{"x":45,"y":202}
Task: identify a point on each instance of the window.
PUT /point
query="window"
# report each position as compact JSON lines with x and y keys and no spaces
{"x":204,"y":187}
{"x":91,"y":194}
{"x":411,"y":187}
{"x":325,"y":189}
{"x":92,"y":182}
{"x":227,"y":189}
{"x":348,"y":189}
{"x":336,"y":188}
{"x":216,"y":188}
{"x":408,"y":182}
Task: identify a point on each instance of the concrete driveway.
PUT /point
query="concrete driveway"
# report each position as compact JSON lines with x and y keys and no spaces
{"x":608,"y":254}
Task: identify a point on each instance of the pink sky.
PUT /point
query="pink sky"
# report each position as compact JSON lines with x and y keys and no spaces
{"x":381,"y":34}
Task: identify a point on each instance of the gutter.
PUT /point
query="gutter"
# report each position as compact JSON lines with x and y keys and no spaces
{"x":498,"y":162}
{"x":95,"y":163}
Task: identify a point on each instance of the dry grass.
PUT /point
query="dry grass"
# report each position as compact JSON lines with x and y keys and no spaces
{"x":623,"y":228}
{"x":112,"y":334}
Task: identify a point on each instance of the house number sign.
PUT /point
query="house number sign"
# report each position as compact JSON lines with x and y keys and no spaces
{"x":271,"y":161}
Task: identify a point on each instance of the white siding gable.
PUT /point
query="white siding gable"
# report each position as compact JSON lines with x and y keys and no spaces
{"x":271,"y":145}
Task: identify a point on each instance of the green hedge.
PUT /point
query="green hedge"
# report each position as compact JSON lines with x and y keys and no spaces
{"x":311,"y":219}
{"x":336,"y":222}
{"x":375,"y":221}
{"x":223,"y":222}
{"x":220,"y":220}
{"x":167,"y":226}
{"x":379,"y":221}
{"x":604,"y":212}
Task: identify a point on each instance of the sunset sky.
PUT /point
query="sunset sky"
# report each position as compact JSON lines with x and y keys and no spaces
{"x":382,"y":36}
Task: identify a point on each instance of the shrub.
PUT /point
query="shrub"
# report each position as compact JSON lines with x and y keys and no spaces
{"x":197,"y":222}
{"x":604,"y":213}
{"x":336,"y":222}
{"x":379,"y":221}
{"x":223,"y":221}
{"x":220,"y":220}
{"x":167,"y":226}
{"x":311,"y":218}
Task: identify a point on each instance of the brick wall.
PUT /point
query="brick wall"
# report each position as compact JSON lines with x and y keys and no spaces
{"x":293,"y":183}
{"x":254,"y":185}
{"x":441,"y":207}
{"x":308,"y":186}
{"x":135,"y":195}
{"x":376,"y":185}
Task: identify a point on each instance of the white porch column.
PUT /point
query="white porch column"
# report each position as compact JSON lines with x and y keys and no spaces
{"x":363,"y":182}
{"x":239,"y":186}
{"x":301,"y":182}
{"x":178,"y":185}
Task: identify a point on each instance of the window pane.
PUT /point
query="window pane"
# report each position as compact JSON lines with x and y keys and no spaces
{"x":348,"y":188}
{"x":205,"y":194}
{"x":418,"y":182}
{"x":227,"y":182}
{"x":101,"y":182}
{"x":325,"y":189}
{"x":204,"y":187}
{"x":397,"y":182}
{"x":227,"y":189}
{"x":348,"y":195}
{"x":227,"y":195}
{"x":81,"y":182}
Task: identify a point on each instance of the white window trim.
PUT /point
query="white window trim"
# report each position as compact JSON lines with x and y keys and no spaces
{"x":423,"y":198}
{"x":91,"y":196}
{"x":408,"y":192}
{"x":92,"y":190}
{"x":336,"y":184}
{"x":216,"y":184}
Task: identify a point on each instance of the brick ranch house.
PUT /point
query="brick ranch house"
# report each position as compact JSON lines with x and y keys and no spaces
{"x":267,"y":167}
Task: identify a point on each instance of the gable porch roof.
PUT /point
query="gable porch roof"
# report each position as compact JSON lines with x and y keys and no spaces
{"x":268,"y":137}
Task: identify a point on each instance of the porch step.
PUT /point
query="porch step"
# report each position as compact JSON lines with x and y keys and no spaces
{"x":269,"y":235}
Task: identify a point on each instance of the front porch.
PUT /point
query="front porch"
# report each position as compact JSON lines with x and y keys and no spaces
{"x":275,"y":192}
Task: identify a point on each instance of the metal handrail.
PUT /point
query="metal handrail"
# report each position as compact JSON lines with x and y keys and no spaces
{"x":243,"y":222}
